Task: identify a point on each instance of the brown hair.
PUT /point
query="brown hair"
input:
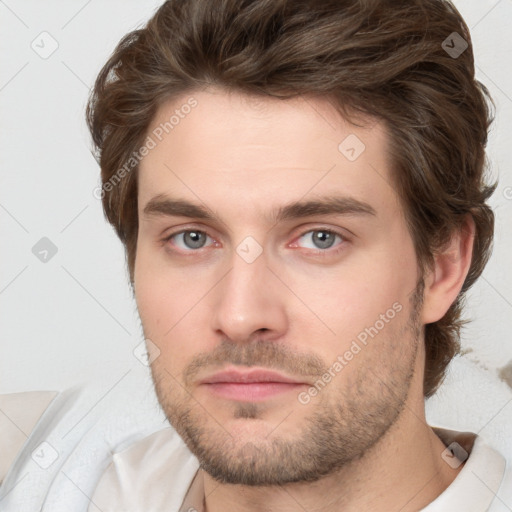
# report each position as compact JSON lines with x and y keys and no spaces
{"x":388,"y":59}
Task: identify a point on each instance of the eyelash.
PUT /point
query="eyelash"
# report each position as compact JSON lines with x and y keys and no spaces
{"x":319,"y":252}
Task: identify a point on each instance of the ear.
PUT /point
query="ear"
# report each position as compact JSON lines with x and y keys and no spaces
{"x":445,"y":280}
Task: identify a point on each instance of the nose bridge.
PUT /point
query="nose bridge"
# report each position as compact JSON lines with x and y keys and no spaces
{"x":248,"y":268}
{"x":247,"y":299}
{"x":246,"y":284}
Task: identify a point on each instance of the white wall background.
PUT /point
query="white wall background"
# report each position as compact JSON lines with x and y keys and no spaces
{"x":72,"y":319}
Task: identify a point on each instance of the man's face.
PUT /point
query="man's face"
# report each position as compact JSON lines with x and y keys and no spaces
{"x":319,"y":293}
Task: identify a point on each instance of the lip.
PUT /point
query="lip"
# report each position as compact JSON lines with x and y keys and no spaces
{"x":253,"y":385}
{"x":248,"y":377}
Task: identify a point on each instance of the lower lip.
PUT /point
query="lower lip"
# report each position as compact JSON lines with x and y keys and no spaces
{"x":253,"y":391}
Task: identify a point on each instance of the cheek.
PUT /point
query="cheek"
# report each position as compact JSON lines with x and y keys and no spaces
{"x":352,"y":298}
{"x":157,"y":305}
{"x":170,"y":308}
{"x":163,"y":294}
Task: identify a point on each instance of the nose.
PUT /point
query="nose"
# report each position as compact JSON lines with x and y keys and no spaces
{"x":249,"y":300}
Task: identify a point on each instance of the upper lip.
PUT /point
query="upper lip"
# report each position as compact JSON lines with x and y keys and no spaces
{"x":248,"y":376}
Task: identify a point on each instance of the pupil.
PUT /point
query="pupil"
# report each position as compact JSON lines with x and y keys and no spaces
{"x":323,"y":239}
{"x":194,"y":239}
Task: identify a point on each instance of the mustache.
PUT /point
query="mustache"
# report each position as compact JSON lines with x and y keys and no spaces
{"x":267,"y":354}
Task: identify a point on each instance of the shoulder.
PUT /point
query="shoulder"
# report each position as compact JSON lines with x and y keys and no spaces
{"x":503,"y":500}
{"x":21,"y":412}
{"x":151,"y":474}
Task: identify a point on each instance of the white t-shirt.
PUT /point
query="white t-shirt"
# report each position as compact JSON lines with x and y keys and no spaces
{"x":159,"y":474}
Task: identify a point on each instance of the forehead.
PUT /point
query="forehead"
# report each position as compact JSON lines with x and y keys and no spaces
{"x":215,"y":144}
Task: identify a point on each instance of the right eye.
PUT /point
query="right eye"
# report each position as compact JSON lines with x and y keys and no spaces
{"x":189,"y":240}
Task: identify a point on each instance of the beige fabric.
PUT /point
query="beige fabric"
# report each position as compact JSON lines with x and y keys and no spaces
{"x":152,"y":475}
{"x":159,"y":474}
{"x":19,"y":413}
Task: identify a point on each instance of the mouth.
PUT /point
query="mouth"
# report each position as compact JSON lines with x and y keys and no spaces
{"x":250,"y":385}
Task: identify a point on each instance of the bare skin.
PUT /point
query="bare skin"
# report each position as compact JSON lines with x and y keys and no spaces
{"x":295,"y":298}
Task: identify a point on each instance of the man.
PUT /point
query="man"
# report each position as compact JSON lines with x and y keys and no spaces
{"x":300,"y":190}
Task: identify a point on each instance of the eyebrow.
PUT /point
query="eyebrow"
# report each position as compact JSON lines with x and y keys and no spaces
{"x":162,"y":205}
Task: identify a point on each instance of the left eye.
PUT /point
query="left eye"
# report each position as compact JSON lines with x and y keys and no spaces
{"x":320,"y":239}
{"x":189,"y":240}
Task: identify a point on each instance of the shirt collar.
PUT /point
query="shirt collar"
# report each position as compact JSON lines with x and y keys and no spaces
{"x":478,"y":482}
{"x":194,"y":499}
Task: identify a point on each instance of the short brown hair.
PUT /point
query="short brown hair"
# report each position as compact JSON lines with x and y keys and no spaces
{"x":388,"y":59}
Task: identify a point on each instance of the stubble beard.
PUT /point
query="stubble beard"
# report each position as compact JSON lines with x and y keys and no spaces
{"x":338,"y":430}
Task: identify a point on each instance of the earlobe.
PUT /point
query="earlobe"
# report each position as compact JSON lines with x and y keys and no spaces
{"x":444,"y":282}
